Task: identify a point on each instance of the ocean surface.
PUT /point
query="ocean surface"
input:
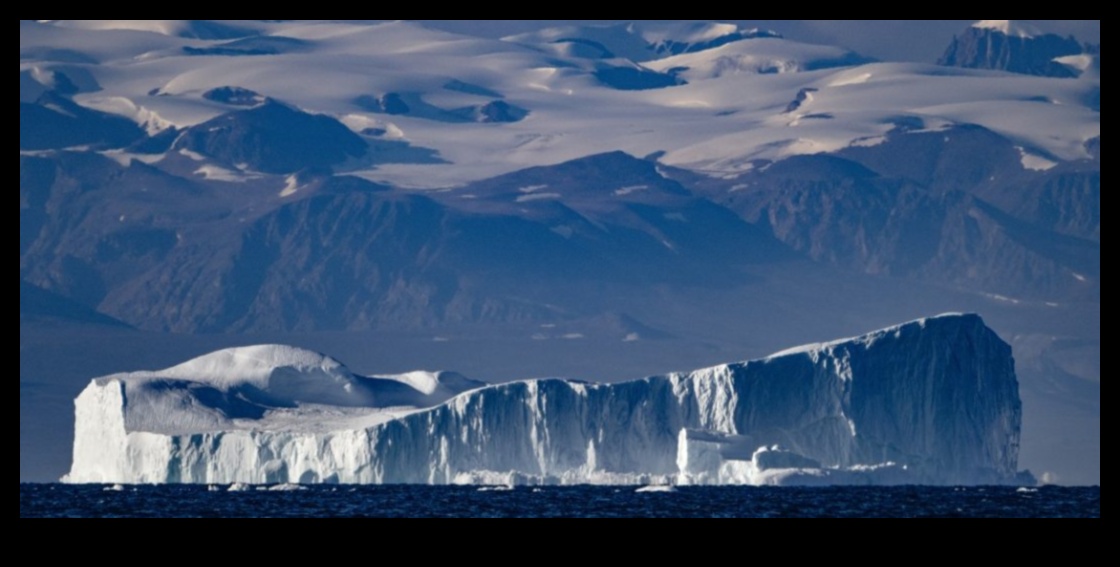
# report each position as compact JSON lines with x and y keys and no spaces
{"x":58,"y":501}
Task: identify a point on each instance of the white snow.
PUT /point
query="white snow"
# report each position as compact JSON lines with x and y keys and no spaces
{"x":272,"y":388}
{"x":869,"y":339}
{"x":1080,"y":62}
{"x":719,"y":124}
{"x":869,"y":142}
{"x":291,"y":187}
{"x":125,"y":158}
{"x":538,"y":197}
{"x":30,"y":89}
{"x":688,"y":32}
{"x":630,"y":190}
{"x":1034,"y":162}
{"x":193,"y":156}
{"x":751,"y":57}
{"x":162,"y":27}
{"x":1015,"y":28}
{"x":215,"y":173}
{"x":150,"y":120}
{"x":853,"y":78}
{"x":623,"y":41}
{"x":824,"y":414}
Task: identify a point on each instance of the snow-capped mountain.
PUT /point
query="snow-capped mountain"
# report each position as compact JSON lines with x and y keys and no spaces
{"x":931,"y":402}
{"x":691,"y":182}
{"x":246,"y":162}
{"x":1011,"y":45}
{"x":485,"y":107}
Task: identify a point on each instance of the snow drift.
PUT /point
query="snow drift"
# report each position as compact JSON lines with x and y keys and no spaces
{"x":935,"y":401}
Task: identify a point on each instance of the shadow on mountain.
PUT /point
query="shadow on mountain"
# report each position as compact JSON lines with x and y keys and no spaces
{"x":843,"y":214}
{"x":636,"y":78}
{"x":414,"y":105}
{"x":54,"y":122}
{"x":384,"y":152}
{"x":55,"y":55}
{"x":212,"y":31}
{"x":234,"y":96}
{"x":669,"y":48}
{"x":471,"y":89}
{"x":250,"y":47}
{"x":981,"y":48}
{"x":36,"y":304}
{"x":274,"y":138}
{"x":959,"y":158}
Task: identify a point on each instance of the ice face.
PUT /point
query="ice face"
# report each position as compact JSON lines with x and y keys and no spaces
{"x":934,"y":401}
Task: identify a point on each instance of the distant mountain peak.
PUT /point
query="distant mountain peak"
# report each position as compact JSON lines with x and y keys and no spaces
{"x":1012,"y":46}
{"x":641,"y":42}
{"x":693,"y":37}
{"x":1014,"y":28}
{"x":274,"y":137}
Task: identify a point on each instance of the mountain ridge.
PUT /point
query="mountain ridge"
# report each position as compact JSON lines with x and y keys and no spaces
{"x":1006,"y":45}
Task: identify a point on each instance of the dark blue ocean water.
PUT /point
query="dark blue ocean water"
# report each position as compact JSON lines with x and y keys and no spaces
{"x":54,"y":501}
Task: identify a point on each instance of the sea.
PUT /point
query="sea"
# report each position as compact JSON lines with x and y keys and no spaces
{"x":61,"y":501}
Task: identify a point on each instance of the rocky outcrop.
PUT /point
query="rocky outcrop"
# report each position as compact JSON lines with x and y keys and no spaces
{"x":1001,"y":49}
{"x":274,"y":138}
{"x":54,"y":122}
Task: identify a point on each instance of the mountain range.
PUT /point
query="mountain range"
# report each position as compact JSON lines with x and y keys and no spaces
{"x":693,"y":182}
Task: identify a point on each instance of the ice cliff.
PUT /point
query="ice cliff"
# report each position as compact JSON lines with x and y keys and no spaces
{"x":934,"y":401}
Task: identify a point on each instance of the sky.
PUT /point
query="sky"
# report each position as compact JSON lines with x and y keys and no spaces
{"x":890,"y":40}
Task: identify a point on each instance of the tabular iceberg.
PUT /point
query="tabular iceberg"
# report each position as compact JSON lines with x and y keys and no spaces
{"x":935,"y":401}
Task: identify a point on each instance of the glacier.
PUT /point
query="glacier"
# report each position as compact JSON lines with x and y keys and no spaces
{"x":935,"y":401}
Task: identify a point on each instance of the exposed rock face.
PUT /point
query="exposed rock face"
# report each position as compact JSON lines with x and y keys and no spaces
{"x":1066,"y":199}
{"x":344,"y":253}
{"x":1031,"y":237}
{"x":234,"y":96}
{"x":274,"y":138}
{"x":997,"y":49}
{"x":55,"y":122}
{"x":499,"y":112}
{"x":668,"y":47}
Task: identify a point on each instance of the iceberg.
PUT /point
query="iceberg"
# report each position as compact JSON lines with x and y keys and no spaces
{"x":934,"y":401}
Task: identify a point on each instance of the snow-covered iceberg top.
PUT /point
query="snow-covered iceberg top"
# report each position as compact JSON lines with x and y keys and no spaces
{"x":935,"y":401}
{"x":271,"y":388}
